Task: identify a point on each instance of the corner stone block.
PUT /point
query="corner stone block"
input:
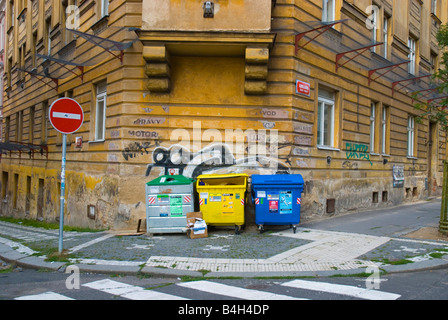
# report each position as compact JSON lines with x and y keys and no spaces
{"x":159,"y":84}
{"x":157,"y":70}
{"x":257,"y":55}
{"x":255,"y":87}
{"x":156,"y":53}
{"x":256,"y":72}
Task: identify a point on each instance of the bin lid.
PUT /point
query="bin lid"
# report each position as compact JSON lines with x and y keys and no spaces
{"x":278,"y":179}
{"x":170,"y":180}
{"x":222,"y":176}
{"x":230,"y":180}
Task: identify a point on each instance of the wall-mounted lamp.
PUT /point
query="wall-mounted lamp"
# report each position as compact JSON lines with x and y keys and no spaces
{"x":385,"y":161}
{"x":209,"y":9}
{"x":328,"y":160}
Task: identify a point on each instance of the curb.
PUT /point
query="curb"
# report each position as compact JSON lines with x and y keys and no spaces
{"x":22,"y":260}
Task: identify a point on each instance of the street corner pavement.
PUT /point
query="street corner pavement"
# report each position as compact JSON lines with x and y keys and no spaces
{"x":276,"y":252}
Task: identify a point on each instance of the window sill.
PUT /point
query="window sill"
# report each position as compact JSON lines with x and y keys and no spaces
{"x":328,"y":148}
{"x":96,"y":141}
{"x":412,"y":158}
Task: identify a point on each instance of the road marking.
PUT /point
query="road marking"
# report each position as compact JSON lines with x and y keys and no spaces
{"x":342,"y":289}
{"x":89,"y":243}
{"x":44,"y":296}
{"x":235,"y":292}
{"x":129,"y":291}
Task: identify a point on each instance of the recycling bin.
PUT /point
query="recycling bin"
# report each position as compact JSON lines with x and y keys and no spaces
{"x":168,"y":200}
{"x":222,"y":199}
{"x":277,"y":199}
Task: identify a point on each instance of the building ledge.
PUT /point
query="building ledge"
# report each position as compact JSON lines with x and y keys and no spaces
{"x":207,"y":43}
{"x":159,"y":46}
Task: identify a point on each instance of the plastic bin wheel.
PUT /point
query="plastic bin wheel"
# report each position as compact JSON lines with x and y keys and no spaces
{"x":294,"y":229}
{"x":237,"y":229}
{"x":261,"y":228}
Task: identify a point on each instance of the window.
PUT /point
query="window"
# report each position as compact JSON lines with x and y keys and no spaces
{"x":31,"y":124}
{"x":386,"y":37}
{"x":44,"y":122}
{"x":100,"y":111}
{"x":411,"y":136}
{"x":412,"y":55}
{"x":328,"y":11}
{"x":12,"y":16}
{"x":375,"y":29}
{"x":372,"y":126}
{"x":7,"y":128}
{"x":434,"y":62}
{"x":325,"y":118}
{"x":434,"y":7}
{"x":47,"y":36}
{"x":33,"y":49}
{"x":19,"y":126}
{"x":104,"y":10}
{"x":384,"y":130}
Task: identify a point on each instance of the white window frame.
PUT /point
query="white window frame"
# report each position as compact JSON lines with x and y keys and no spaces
{"x":372,"y":126}
{"x":321,"y":122}
{"x":101,"y":97}
{"x":411,"y":136}
{"x":375,"y":29}
{"x":328,"y":10}
{"x":434,"y":7}
{"x":386,"y":36}
{"x":384,"y":130}
{"x":412,"y":44}
{"x":104,"y":8}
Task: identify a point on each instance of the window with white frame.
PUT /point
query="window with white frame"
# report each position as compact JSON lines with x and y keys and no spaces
{"x":375,"y":28}
{"x":386,"y":37}
{"x":412,"y":44}
{"x":100,"y":110}
{"x":384,"y":128}
{"x":328,"y":10}
{"x":434,"y":7}
{"x":372,"y":126}
{"x":325,"y":118}
{"x":411,"y":136}
{"x":104,"y":8}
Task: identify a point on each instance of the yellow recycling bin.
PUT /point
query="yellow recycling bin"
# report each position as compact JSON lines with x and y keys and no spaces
{"x":222,"y":199}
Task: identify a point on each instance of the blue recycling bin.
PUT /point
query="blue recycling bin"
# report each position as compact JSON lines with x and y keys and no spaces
{"x":277,"y":199}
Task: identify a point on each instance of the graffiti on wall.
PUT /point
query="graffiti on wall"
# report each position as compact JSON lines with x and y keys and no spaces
{"x":211,"y":159}
{"x":357,"y":151}
{"x":139,"y":148}
{"x":229,"y":151}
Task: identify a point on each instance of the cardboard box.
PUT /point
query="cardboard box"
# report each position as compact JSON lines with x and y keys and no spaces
{"x":196,"y":225}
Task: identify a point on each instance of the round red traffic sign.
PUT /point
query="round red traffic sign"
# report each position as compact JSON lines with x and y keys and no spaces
{"x":66,"y":115}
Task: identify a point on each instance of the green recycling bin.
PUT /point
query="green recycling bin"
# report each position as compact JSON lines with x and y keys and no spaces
{"x":168,"y":200}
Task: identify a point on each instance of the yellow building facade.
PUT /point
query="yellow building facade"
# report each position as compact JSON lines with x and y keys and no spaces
{"x":323,"y":88}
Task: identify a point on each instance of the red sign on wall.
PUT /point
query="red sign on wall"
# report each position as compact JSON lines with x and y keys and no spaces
{"x":303,"y":88}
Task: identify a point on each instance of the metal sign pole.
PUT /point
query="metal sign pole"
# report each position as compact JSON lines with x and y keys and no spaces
{"x":62,"y":199}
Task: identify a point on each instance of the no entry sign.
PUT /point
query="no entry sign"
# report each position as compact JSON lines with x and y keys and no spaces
{"x":66,"y":115}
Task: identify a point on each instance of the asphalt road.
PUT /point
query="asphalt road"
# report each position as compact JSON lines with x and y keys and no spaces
{"x":393,"y":222}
